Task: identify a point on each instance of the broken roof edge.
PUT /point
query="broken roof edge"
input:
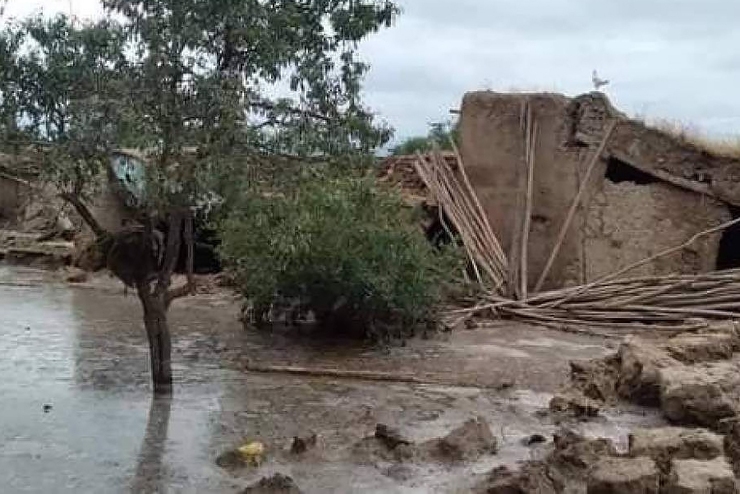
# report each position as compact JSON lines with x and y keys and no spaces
{"x":667,"y":157}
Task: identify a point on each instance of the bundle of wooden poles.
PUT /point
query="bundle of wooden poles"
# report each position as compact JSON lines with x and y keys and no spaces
{"x":672,"y":302}
{"x":457,"y":201}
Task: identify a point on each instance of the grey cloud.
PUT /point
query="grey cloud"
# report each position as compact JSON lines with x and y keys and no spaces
{"x":673,"y":59}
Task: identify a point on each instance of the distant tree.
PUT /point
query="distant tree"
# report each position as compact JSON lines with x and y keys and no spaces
{"x":189,"y":81}
{"x":439,"y":133}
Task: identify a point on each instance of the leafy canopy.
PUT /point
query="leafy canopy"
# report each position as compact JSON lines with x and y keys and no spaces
{"x":346,"y":249}
{"x":201,"y":85}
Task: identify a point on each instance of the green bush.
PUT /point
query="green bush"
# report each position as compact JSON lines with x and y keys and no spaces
{"x":342,"y":249}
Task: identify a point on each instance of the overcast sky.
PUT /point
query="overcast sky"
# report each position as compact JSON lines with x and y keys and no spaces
{"x":672,"y":59}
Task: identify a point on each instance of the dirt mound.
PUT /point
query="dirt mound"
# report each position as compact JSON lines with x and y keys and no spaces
{"x":694,"y":378}
{"x":698,"y":476}
{"x":565,"y":469}
{"x":665,"y":444}
{"x":624,"y":476}
{"x":277,"y":484}
{"x":732,"y":445}
{"x":670,"y":460}
{"x":470,"y":441}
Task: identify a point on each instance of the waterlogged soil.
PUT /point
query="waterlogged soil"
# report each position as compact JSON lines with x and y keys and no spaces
{"x":77,"y":413}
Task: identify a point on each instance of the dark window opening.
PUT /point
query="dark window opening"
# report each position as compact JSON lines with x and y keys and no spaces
{"x":618,"y":171}
{"x":729,"y":246}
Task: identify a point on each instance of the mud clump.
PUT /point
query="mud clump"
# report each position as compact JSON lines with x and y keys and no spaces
{"x":703,"y":394}
{"x":576,"y":404}
{"x":701,"y":476}
{"x":532,"y":479}
{"x":624,"y":476}
{"x":640,"y":364}
{"x":694,"y":348}
{"x":565,"y":469}
{"x":390,"y":436}
{"x":693,"y":377}
{"x":386,"y":444}
{"x":596,"y":379}
{"x":302,"y":444}
{"x":732,"y":445}
{"x":468,"y":442}
{"x":665,"y":444}
{"x":277,"y":484}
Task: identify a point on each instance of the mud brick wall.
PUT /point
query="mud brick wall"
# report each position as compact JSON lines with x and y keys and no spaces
{"x":12,"y":198}
{"x":629,"y":211}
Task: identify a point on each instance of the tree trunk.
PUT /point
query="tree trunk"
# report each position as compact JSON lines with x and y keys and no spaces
{"x":160,"y":343}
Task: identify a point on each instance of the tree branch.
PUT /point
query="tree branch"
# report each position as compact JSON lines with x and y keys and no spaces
{"x":171,"y":252}
{"x":188,"y":237}
{"x":265,"y":105}
{"x":189,"y":287}
{"x":87,"y":216}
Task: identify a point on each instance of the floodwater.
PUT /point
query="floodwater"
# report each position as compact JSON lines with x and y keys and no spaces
{"x":76,"y":412}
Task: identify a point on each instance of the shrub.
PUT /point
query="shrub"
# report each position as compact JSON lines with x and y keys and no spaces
{"x":342,"y":249}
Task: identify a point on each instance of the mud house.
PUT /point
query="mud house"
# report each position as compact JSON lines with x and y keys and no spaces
{"x":642,"y":190}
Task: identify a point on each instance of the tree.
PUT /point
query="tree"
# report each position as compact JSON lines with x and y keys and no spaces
{"x":191,"y":82}
{"x":441,"y":133}
{"x":343,"y":249}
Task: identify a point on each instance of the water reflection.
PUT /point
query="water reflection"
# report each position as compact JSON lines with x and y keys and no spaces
{"x":151,"y":470}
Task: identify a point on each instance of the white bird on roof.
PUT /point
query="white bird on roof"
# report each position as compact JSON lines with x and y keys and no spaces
{"x":598,"y":82}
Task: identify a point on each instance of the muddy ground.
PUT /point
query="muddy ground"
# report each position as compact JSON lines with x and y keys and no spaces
{"x":77,"y":412}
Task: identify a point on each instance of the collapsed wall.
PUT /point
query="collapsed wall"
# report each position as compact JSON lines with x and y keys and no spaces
{"x":648,"y":191}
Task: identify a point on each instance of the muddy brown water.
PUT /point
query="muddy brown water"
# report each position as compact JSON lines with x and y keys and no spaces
{"x":76,"y":413}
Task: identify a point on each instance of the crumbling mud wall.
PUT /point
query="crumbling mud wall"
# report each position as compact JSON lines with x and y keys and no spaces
{"x":627,"y":222}
{"x":648,"y":191}
{"x":12,"y":199}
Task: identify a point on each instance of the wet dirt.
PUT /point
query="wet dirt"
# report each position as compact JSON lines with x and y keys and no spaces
{"x":77,"y":413}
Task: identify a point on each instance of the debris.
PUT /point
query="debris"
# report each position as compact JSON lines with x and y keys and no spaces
{"x":575,"y":403}
{"x":624,"y":476}
{"x":596,"y":379}
{"x":704,"y":347}
{"x":639,"y":366}
{"x":701,"y":394}
{"x":252,"y":452}
{"x":47,"y":408}
{"x":390,"y":436}
{"x":565,"y":469}
{"x":461,"y":205}
{"x":702,"y":476}
{"x":277,"y":484}
{"x":664,"y":444}
{"x":574,"y":454}
{"x":302,"y":444}
{"x":468,"y":442}
{"x":732,"y":444}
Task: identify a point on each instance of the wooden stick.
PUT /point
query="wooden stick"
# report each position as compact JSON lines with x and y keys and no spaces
{"x":537,"y":316}
{"x":574,"y":206}
{"x":647,"y":260}
{"x":524,"y":256}
{"x":357,"y":375}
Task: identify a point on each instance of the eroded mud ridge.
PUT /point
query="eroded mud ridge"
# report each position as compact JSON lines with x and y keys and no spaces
{"x":694,"y":379}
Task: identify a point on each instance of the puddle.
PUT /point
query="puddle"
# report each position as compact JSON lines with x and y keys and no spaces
{"x":83,"y":354}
